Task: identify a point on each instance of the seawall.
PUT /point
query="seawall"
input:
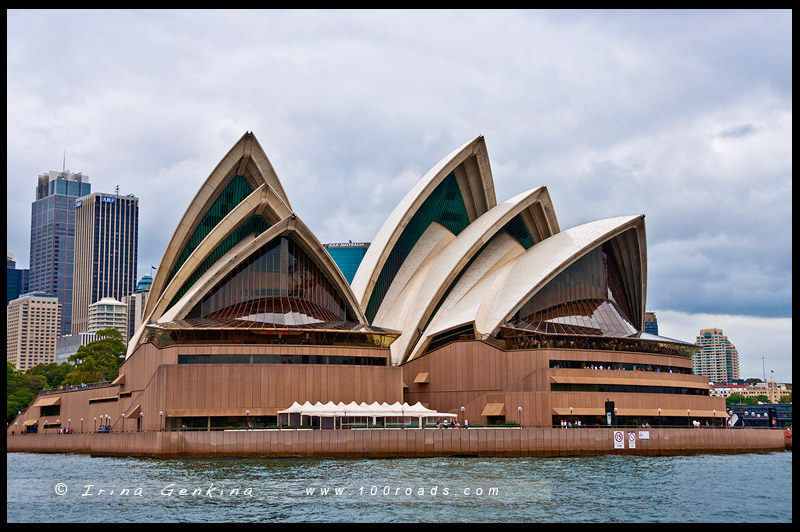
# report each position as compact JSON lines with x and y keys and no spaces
{"x":378,"y":443}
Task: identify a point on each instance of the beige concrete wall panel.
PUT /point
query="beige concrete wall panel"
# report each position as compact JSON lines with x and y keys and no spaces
{"x":490,"y":442}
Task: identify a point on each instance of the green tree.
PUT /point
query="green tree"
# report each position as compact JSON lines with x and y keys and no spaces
{"x":739,"y":399}
{"x":786,"y":399}
{"x":98,"y":361}
{"x":53,"y":373}
{"x":762,"y":399}
{"x":20,"y":390}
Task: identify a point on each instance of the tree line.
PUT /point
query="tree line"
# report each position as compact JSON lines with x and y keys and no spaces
{"x":97,"y":361}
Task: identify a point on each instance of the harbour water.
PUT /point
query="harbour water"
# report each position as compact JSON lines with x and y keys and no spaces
{"x":63,"y":488}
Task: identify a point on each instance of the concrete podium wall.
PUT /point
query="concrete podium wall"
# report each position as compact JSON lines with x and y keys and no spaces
{"x":402,"y":443}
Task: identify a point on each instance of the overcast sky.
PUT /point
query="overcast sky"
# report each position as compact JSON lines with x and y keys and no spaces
{"x":684,"y":116}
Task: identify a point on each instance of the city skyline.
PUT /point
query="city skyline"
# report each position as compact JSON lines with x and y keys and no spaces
{"x":616,"y":113}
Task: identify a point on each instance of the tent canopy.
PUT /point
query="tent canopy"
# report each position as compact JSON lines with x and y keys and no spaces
{"x":353,"y":409}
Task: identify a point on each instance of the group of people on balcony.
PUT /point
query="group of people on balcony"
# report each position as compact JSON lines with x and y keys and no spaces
{"x":595,"y":344}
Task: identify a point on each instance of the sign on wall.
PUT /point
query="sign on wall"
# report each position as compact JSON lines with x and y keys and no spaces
{"x":644,"y":434}
{"x":631,"y":440}
{"x":619,"y":439}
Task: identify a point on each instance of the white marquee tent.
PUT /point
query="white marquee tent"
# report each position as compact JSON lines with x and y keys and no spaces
{"x":297,"y":413}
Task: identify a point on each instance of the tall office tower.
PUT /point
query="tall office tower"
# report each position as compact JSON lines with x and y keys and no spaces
{"x":718,"y":359}
{"x":53,"y":237}
{"x":136,"y":303}
{"x":347,"y":256}
{"x":16,"y":280}
{"x":32,"y":328}
{"x":106,"y":249}
{"x":650,"y":323}
{"x":108,"y":313}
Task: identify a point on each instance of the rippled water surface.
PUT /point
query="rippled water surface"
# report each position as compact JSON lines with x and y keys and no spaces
{"x":699,"y":488}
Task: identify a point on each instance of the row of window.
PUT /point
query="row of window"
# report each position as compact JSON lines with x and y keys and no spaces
{"x":625,"y":388}
{"x":283,"y":359}
{"x":580,"y":364}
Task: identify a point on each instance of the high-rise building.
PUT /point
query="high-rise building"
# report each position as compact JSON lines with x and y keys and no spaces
{"x":106,"y":249}
{"x":347,"y":257}
{"x":718,"y":359}
{"x":17,"y":281}
{"x":53,"y":237}
{"x":650,"y":323}
{"x":32,"y":328}
{"x":108,"y":313}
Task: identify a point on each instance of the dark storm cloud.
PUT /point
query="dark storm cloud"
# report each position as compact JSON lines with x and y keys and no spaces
{"x":684,"y":116}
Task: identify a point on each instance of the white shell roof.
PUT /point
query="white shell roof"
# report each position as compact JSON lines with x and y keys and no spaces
{"x":246,"y":157}
{"x":427,"y":285}
{"x":392,"y":228}
{"x":498,"y":292}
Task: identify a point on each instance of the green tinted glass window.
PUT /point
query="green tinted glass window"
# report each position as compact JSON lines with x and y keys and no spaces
{"x":231,"y":196}
{"x":444,"y":206}
{"x":255,"y":224}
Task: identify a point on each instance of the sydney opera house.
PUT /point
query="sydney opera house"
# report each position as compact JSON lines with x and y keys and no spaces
{"x":477,"y":310}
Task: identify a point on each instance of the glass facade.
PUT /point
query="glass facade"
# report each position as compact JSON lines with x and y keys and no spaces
{"x":53,"y":238}
{"x":444,"y":206}
{"x":254,"y":225}
{"x":278,"y":282}
{"x":105,"y":253}
{"x":16,"y":283}
{"x":347,"y":257}
{"x":282,"y":359}
{"x":587,"y":295}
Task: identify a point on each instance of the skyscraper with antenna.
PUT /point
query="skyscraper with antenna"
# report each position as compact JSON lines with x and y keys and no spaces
{"x":53,"y":236}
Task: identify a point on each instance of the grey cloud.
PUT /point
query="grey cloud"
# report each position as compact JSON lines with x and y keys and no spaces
{"x":738,"y":131}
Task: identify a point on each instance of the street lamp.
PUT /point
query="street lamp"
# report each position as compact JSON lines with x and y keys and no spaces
{"x":141,"y":421}
{"x":95,"y":424}
{"x":69,"y":424}
{"x":462,"y":414}
{"x":247,"y":412}
{"x":615,"y":416}
{"x":715,"y":418}
{"x":570,"y":414}
{"x":659,"y":417}
{"x":123,"y":422}
{"x":688,"y":415}
{"x":519,"y":415}
{"x":161,"y":420}
{"x":81,"y":425}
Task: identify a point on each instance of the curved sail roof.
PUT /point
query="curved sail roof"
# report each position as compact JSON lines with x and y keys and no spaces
{"x":301,"y":235}
{"x":250,"y":216}
{"x":454,"y":193}
{"x":416,"y":295}
{"x":243,"y":170}
{"x":504,"y":278}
